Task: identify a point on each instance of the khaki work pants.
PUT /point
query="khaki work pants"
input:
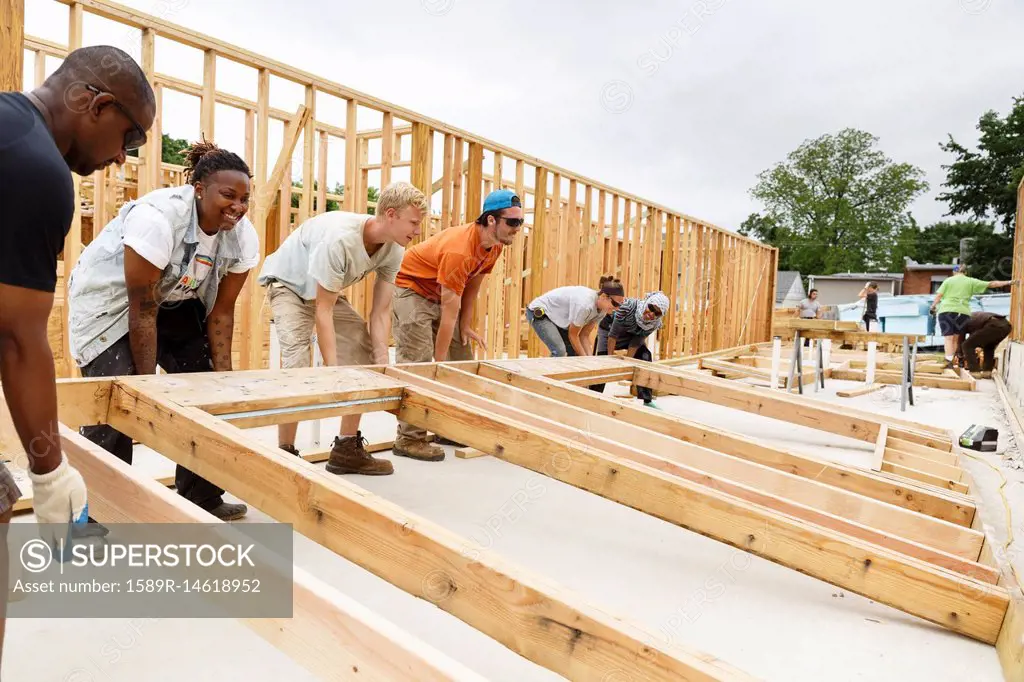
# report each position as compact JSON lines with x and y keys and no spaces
{"x":414,"y":323}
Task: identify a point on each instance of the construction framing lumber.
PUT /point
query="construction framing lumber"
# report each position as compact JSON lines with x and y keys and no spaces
{"x":850,"y":423}
{"x":920,"y":379}
{"x":805,"y":499}
{"x":957,"y":509}
{"x":960,"y":603}
{"x":854,"y":392}
{"x":527,"y":614}
{"x":329,"y":634}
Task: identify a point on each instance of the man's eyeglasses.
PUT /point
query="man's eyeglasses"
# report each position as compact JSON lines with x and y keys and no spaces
{"x":512,"y":222}
{"x":133,"y":139}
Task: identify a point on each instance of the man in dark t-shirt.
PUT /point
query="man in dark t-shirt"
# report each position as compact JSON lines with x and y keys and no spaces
{"x":84,"y":117}
{"x":984,"y":330}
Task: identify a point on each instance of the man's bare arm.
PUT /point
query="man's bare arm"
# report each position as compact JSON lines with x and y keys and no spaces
{"x":380,"y":320}
{"x":220,"y":324}
{"x":323,"y":320}
{"x":141,"y":279}
{"x":27,"y":374}
{"x":451,"y":302}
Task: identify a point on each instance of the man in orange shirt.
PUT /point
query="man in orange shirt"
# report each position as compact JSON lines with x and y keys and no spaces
{"x":438,"y":283}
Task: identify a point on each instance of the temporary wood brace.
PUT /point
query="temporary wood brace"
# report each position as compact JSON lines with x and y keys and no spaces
{"x":913,"y":544}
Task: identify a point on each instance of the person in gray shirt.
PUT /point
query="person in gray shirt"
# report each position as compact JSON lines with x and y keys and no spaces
{"x":809,"y":308}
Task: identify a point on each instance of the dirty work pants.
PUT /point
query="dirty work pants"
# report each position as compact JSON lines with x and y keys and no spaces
{"x":987,"y":338}
{"x":181,"y":346}
{"x":414,"y":323}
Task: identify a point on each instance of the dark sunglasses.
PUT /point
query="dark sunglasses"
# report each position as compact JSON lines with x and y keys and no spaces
{"x":654,"y":309}
{"x":513,"y":222}
{"x":615,"y":304}
{"x":133,"y":139}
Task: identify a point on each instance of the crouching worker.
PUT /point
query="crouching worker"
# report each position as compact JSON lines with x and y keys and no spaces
{"x":562,"y":318}
{"x":324,"y":256}
{"x":158,"y":286}
{"x":984,"y":331}
{"x":628,"y":329}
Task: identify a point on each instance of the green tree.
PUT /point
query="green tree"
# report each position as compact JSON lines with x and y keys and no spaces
{"x":172,"y":150}
{"x":371,"y":195}
{"x":836,"y":203}
{"x":983,"y":183}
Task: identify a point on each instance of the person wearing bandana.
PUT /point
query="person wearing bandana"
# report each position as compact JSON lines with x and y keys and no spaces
{"x":628,"y":329}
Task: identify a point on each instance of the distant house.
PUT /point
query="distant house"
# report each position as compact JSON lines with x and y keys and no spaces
{"x":789,"y":289}
{"x":843,"y":287}
{"x":924,"y":278}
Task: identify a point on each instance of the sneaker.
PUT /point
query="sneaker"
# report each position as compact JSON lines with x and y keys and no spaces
{"x":229,"y":512}
{"x":349,"y":456}
{"x":417,"y":449}
{"x":290,"y":449}
{"x":651,"y":404}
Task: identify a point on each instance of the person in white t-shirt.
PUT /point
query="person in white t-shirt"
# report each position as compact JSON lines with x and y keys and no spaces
{"x":158,"y":285}
{"x":565,"y":316}
{"x":306,"y":276}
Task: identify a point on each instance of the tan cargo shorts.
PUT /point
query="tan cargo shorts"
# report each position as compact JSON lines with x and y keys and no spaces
{"x":295,"y":321}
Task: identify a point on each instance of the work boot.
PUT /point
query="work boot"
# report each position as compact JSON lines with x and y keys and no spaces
{"x":290,"y":449}
{"x":349,"y":456}
{"x":417,"y":449}
{"x":229,"y":512}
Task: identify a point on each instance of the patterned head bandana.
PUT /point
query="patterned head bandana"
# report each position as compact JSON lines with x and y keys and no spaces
{"x":660,"y":301}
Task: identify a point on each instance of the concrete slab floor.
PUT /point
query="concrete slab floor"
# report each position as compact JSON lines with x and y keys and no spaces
{"x":770,"y":621}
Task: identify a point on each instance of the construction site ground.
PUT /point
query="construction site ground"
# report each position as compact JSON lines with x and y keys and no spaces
{"x":767,"y":620}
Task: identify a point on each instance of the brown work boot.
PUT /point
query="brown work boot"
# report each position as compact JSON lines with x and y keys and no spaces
{"x":417,"y":449}
{"x":349,"y":456}
{"x":226,"y":511}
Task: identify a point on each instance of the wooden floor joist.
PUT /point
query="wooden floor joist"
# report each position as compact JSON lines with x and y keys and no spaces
{"x":960,"y":603}
{"x":945,"y":505}
{"x":518,"y":609}
{"x":958,"y":548}
{"x":329,"y":634}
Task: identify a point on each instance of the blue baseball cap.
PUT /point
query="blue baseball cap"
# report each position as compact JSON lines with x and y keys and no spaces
{"x":499,"y":199}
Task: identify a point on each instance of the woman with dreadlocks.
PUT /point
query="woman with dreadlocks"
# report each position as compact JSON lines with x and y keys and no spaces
{"x":158,"y":285}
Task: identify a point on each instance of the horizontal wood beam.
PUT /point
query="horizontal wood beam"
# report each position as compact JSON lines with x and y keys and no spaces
{"x":957,"y":509}
{"x":904,"y":531}
{"x":527,"y":614}
{"x":960,"y":603}
{"x":329,"y":633}
{"x":847,"y":422}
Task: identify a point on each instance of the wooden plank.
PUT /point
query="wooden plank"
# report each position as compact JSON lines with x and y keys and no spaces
{"x":252,"y":304}
{"x":929,"y":466}
{"x":912,"y":448}
{"x":222,"y":393}
{"x":956,"y":509}
{"x":879,"y":455}
{"x":310,"y":185}
{"x":12,"y":36}
{"x":923,"y":477}
{"x":329,"y":633}
{"x":387,"y":148}
{"x":905,"y":583}
{"x":208,"y":99}
{"x":446,"y":181}
{"x":895,"y":378}
{"x":863,"y":517}
{"x":469,"y":453}
{"x":854,"y":392}
{"x":474,"y":182}
{"x":525,"y":613}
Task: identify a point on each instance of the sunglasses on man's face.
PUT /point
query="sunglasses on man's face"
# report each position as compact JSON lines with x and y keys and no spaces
{"x":513,"y":222}
{"x":134,"y":138}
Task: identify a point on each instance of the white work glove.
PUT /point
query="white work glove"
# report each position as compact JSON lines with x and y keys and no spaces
{"x":59,"y":497}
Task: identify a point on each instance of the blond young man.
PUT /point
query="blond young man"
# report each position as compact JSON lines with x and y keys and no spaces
{"x":306,"y":276}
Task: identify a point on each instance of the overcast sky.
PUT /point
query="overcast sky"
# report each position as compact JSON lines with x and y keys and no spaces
{"x":682,"y":103}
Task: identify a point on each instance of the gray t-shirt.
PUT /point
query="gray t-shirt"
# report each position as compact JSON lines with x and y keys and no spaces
{"x":809,"y":308}
{"x":328,"y":250}
{"x":569,"y":305}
